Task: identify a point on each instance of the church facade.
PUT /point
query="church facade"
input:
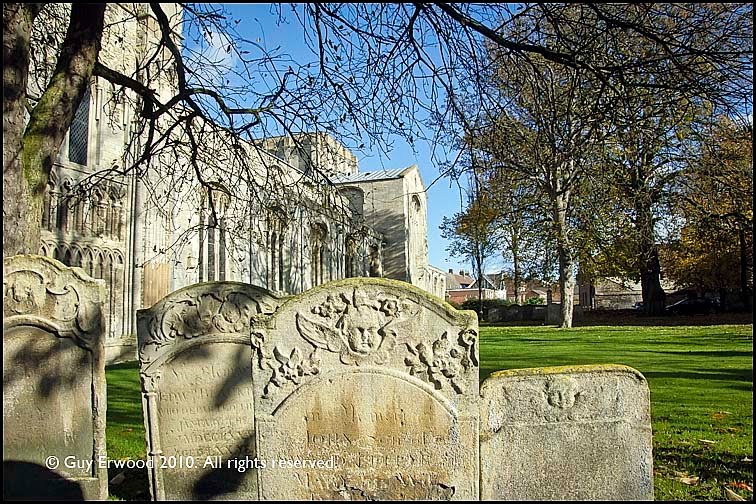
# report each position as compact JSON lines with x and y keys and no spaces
{"x":146,"y":236}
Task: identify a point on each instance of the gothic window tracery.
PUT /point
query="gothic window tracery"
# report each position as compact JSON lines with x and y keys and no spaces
{"x":212,"y":236}
{"x":318,"y":253}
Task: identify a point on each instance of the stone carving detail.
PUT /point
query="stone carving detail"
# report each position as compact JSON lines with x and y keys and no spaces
{"x":42,"y":288}
{"x":360,"y":329}
{"x":197,"y":311}
{"x":149,"y":381}
{"x":562,"y":393}
{"x":289,"y":369}
{"x":377,"y":377}
{"x":444,"y":361}
{"x":365,"y":331}
{"x":53,"y":379}
{"x":596,"y":420}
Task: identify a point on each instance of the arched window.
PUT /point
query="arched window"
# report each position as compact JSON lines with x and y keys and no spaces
{"x":318,"y":253}
{"x":273,"y":278}
{"x":212,"y":238}
{"x":281,"y":285}
{"x":78,"y":134}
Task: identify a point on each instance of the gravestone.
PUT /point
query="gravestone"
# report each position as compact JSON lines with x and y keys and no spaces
{"x":195,"y":355}
{"x":367,"y":389}
{"x":53,"y":381}
{"x":566,"y":433}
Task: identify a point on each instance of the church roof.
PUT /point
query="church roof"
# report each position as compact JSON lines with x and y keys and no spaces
{"x":368,"y":176}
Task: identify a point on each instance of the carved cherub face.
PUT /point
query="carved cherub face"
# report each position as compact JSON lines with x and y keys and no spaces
{"x":561,"y":393}
{"x":362,"y":330}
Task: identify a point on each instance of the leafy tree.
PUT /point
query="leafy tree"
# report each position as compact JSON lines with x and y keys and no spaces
{"x":712,"y":252}
{"x":552,"y":121}
{"x":381,"y":69}
{"x":521,"y":225}
{"x":472,"y":234}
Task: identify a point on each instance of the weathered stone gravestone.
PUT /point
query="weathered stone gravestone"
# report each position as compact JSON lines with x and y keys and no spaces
{"x":566,"y":433}
{"x":195,"y":355}
{"x":367,"y":389}
{"x":53,"y":381}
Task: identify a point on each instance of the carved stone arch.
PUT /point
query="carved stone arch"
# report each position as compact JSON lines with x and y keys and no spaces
{"x":318,"y":251}
{"x":67,"y":256}
{"x":114,"y":227}
{"x":64,"y":212}
{"x":278,"y":222}
{"x":98,"y":203}
{"x":117,"y":258}
{"x":97,"y":263}
{"x":417,"y":205}
{"x":78,"y":256}
{"x":117,"y":326}
{"x":212,"y":234}
{"x":320,"y":229}
{"x":107,"y":265}
{"x":47,"y":203}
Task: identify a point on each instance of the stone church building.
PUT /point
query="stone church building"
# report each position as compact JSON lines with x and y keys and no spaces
{"x":146,"y":237}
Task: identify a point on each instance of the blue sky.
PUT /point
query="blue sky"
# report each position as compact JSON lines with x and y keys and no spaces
{"x":258,"y":23}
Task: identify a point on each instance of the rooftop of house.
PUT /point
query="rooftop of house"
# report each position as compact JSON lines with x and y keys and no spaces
{"x":462,"y":280}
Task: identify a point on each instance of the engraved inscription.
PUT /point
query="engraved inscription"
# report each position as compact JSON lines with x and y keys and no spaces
{"x":206,"y":409}
{"x":401,"y":445}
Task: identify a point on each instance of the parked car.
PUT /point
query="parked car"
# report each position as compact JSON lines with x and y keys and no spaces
{"x":692,"y":306}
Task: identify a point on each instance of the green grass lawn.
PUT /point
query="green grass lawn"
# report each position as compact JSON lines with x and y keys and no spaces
{"x":701,"y":381}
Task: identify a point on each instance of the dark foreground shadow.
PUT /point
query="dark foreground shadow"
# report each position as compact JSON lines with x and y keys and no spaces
{"x":29,"y":481}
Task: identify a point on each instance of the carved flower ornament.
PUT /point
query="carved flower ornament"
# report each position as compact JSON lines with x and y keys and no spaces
{"x":290,"y":368}
{"x":444,"y":361}
{"x":205,"y":314}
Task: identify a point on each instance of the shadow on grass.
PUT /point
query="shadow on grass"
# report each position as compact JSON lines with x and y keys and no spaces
{"x":134,"y":486}
{"x":633,"y":318}
{"x":715,"y":353}
{"x":744,"y":375}
{"x":715,"y":469}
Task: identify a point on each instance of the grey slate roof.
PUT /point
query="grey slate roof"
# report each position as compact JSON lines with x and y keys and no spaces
{"x":368,"y":176}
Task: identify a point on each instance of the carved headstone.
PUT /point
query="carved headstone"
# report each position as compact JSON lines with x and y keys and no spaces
{"x":566,"y":433}
{"x":195,"y":353}
{"x":367,"y":389}
{"x":53,"y":381}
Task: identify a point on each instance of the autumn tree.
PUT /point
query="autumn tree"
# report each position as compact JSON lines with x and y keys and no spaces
{"x":713,"y":250}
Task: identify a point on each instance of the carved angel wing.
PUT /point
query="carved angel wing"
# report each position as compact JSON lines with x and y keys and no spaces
{"x":320,"y":335}
{"x":401,"y":328}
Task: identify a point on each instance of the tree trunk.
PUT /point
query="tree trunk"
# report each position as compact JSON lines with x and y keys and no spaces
{"x":516,"y":267}
{"x":654,"y":297}
{"x":29,"y":149}
{"x":19,"y":204}
{"x":479,"y":260}
{"x":566,"y":263}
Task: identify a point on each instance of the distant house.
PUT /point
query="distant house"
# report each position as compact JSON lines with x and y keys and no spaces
{"x":494,"y":282}
{"x":458,"y":287}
